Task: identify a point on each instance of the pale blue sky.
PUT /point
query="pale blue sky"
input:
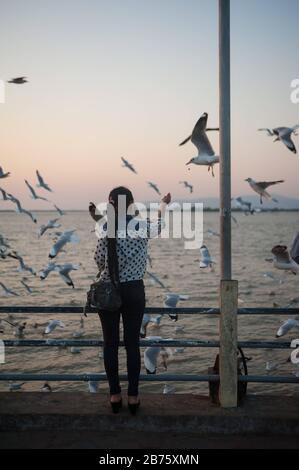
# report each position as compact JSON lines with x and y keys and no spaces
{"x":130,"y":78}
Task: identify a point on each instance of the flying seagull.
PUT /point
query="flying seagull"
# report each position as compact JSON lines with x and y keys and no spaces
{"x":52,"y":325}
{"x":151,"y":355}
{"x":23,"y":267}
{"x":27,"y":287}
{"x":50,"y":224}
{"x":154,"y":187}
{"x":155,"y":280}
{"x":260,"y":188}
{"x":206,"y":260}
{"x":33,"y":193}
{"x":244,"y":205}
{"x":20,"y":209}
{"x":66,"y":237}
{"x":44,"y":273}
{"x":2,"y":174}
{"x":4,"y":195}
{"x":187,"y":186}
{"x":8,"y":292}
{"x":283,"y":260}
{"x":128,"y":165}
{"x":41,"y":182}
{"x":64,"y":272}
{"x":206,"y":155}
{"x":60,"y":211}
{"x":18,"y":80}
{"x":284,"y":135}
{"x":286,"y":327}
{"x":171,"y":301}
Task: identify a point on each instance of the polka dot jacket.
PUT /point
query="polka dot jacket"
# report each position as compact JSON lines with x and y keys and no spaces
{"x":131,"y":250}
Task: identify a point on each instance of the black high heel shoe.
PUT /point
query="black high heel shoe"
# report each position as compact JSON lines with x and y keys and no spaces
{"x":116,"y":406}
{"x":133,"y":407}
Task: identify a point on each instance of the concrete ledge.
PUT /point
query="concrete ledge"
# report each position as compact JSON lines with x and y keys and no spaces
{"x":64,"y":412}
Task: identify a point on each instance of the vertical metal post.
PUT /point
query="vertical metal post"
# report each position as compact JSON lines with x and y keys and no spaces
{"x":228,"y":288}
{"x":225,"y":139}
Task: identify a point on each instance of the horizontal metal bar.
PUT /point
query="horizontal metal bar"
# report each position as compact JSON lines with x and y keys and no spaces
{"x":150,"y":310}
{"x":144,"y":378}
{"x":103,"y":378}
{"x":89,"y":343}
{"x":80,"y":310}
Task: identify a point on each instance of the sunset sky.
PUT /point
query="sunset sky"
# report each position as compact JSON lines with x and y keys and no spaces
{"x":130,"y":78}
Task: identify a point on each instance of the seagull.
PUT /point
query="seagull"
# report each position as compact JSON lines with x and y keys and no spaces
{"x":171,"y":301}
{"x":2,"y":174}
{"x":66,"y":237}
{"x":149,"y":259}
{"x":44,"y":273}
{"x":5,"y":255}
{"x":271,"y":366}
{"x":52,"y":325}
{"x":187,"y":186}
{"x":284,"y":135}
{"x":273,"y":278}
{"x":50,"y":224}
{"x":23,"y":267}
{"x":244,"y":205}
{"x":41,"y":182}
{"x":18,"y":80}
{"x":33,"y":193}
{"x":60,"y":212}
{"x":283,"y":260}
{"x":168,"y":389}
{"x":75,"y":350}
{"x":20,"y":209}
{"x":8,"y":292}
{"x":46,"y":388}
{"x":64,"y":272}
{"x":206,"y":260}
{"x":4,"y":242}
{"x":145,"y":322}
{"x":260,"y":188}
{"x":93,"y":386}
{"x":155,"y":279}
{"x":154,"y":187}
{"x":4,"y":195}
{"x":128,"y":165}
{"x":206,"y":155}
{"x":20,"y":330}
{"x":151,"y":355}
{"x":15,"y":387}
{"x":28,"y":288}
{"x":213,"y":233}
{"x":286,"y":327}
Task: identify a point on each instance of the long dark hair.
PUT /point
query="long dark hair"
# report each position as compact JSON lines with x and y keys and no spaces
{"x":112,"y":253}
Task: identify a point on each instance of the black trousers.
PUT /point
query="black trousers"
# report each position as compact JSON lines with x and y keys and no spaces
{"x":132,"y":311}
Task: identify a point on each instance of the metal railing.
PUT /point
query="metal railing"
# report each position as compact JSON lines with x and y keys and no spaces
{"x":88,"y":343}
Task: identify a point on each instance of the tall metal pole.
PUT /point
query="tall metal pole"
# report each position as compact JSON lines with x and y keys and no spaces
{"x":225,"y":139}
{"x":228,"y":288}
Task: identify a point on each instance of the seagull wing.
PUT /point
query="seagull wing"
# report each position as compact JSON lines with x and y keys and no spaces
{"x":31,"y":189}
{"x":269,"y":131}
{"x":288,"y":142}
{"x":200,"y":139}
{"x":267,"y":184}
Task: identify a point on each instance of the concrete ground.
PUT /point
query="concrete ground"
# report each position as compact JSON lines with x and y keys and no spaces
{"x":85,"y":421}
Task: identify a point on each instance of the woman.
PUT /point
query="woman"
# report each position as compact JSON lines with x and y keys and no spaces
{"x":125,"y":258}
